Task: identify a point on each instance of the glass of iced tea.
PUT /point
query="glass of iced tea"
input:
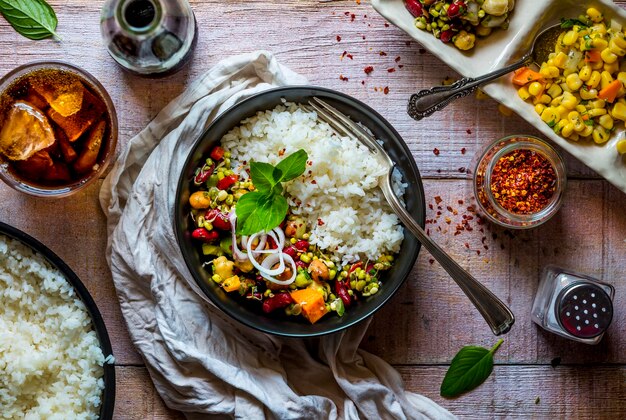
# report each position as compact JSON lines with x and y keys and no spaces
{"x":58,"y":129}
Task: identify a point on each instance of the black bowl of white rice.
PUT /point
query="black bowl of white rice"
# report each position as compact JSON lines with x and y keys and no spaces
{"x":275,"y":120}
{"x":55,"y":354}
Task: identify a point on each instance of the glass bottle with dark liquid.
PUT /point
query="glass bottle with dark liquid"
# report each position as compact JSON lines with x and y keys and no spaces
{"x":149,"y":37}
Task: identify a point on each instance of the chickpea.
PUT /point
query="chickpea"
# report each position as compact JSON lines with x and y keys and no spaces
{"x":200,"y":200}
{"x":319,"y":270}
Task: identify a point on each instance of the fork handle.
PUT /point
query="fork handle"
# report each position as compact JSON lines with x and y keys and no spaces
{"x":428,"y":101}
{"x":498,"y":316}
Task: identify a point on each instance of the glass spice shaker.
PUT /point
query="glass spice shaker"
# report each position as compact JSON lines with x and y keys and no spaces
{"x":149,"y":37}
{"x":573,"y":305}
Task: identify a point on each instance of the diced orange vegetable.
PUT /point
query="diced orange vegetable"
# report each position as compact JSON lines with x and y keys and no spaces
{"x":592,"y":56}
{"x":610,"y":91}
{"x":585,"y":117}
{"x":525,"y":75}
{"x":231,"y":284}
{"x":312,"y":303}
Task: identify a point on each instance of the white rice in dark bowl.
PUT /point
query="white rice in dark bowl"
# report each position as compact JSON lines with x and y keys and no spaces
{"x":51,"y":362}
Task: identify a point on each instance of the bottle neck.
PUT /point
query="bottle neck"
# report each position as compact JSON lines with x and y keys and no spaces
{"x":139,"y":17}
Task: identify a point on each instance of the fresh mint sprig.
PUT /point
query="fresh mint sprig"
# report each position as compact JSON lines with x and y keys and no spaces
{"x":264,"y":209}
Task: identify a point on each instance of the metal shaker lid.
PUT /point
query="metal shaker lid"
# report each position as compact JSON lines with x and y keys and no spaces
{"x":584,"y":310}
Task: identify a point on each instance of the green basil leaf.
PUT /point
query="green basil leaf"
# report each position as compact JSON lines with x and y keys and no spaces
{"x":259,"y":212}
{"x":264,"y":176}
{"x":34,"y":19}
{"x":293,"y":165}
{"x":471,"y":366}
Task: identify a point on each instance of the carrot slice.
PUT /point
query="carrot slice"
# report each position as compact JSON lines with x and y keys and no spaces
{"x":609,"y":92}
{"x":592,"y":56}
{"x":525,"y":75}
{"x":312,"y":303}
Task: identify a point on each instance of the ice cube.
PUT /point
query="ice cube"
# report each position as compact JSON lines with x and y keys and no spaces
{"x":25,"y":131}
{"x":76,"y":125}
{"x":65,"y":95}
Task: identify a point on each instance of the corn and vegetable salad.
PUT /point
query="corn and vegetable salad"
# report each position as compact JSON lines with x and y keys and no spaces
{"x":579,"y":91}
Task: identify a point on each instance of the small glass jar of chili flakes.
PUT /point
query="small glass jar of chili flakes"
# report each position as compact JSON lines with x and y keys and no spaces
{"x":519,"y":181}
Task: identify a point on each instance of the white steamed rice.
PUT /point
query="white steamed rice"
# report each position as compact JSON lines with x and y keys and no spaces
{"x":50,"y":357}
{"x":338,"y":195}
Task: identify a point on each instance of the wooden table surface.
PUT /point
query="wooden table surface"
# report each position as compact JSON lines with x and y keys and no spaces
{"x":429,"y":319}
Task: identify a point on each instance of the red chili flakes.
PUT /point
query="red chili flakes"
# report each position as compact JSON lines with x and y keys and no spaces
{"x":466,"y":245}
{"x":350,"y":56}
{"x":347,"y":13}
{"x":363,"y":36}
{"x":281,"y":152}
{"x":478,"y":252}
{"x":462,"y":169}
{"x":400,"y":66}
{"x":438,"y":199}
{"x":313,"y":182}
{"x":320,"y":222}
{"x":343,"y":78}
{"x":448,"y":220}
{"x":343,"y":54}
{"x":309,"y":162}
{"x":436,"y":151}
{"x":338,"y":38}
{"x":386,"y":90}
{"x":468,"y":131}
{"x":438,"y":213}
{"x":460,"y":202}
{"x":430,"y":206}
{"x":352,"y":17}
{"x":358,"y":1}
{"x":431,"y":261}
{"x":382,"y":53}
{"x":368,"y":69}
{"x":397,"y":59}
{"x":463,"y":150}
{"x":386,"y":25}
{"x":362,"y":82}
{"x":449,"y":208}
{"x":391,"y":70}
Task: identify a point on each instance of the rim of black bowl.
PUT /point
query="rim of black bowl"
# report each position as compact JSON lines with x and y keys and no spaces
{"x":108,"y":394}
{"x":255,"y":318}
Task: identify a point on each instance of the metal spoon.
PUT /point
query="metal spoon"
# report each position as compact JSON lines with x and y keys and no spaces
{"x":426,"y":102}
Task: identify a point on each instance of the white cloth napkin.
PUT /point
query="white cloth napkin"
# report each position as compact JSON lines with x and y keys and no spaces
{"x":200,"y":360}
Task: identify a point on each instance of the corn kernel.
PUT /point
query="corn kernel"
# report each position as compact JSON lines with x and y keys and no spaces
{"x":554,"y":90}
{"x":608,"y":56}
{"x":569,"y":100}
{"x":586,"y":132}
{"x":550,"y":116}
{"x":600,"y":135}
{"x":611,"y":68}
{"x":621,"y":147}
{"x":619,"y":111}
{"x":619,"y":40}
{"x":587,"y":94}
{"x":585,"y":73}
{"x":606,"y":121}
{"x":561,"y":58}
{"x":535,"y":88}
{"x":605,"y":79}
{"x":523,"y":93}
{"x":598,"y":103}
{"x":615,"y":49}
{"x":544,"y":99}
{"x":480,"y":95}
{"x":570,"y":38}
{"x":557,"y":100}
{"x":581,"y":108}
{"x":560,"y":125}
{"x":562,"y":111}
{"x":539,"y":108}
{"x":599,"y":43}
{"x":596,"y":112}
{"x":594,"y":14}
{"x":573,"y":137}
{"x":567,"y":130}
{"x":594,"y":79}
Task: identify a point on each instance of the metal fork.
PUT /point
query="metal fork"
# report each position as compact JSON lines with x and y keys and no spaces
{"x":496,"y":313}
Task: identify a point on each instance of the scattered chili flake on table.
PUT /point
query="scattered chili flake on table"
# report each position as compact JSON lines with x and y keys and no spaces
{"x":338,"y":38}
{"x":391,"y":70}
{"x":382,"y":53}
{"x":368,"y":69}
{"x":386,"y":25}
{"x":463,"y":150}
{"x":343,"y":78}
{"x":436,"y":151}
{"x":386,"y":90}
{"x":398,"y":59}
{"x":523,"y":181}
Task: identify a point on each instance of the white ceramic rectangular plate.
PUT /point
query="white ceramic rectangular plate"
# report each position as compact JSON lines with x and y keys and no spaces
{"x":504,"y":46}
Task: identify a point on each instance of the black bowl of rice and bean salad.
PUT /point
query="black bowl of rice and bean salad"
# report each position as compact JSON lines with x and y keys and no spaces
{"x":280,"y":219}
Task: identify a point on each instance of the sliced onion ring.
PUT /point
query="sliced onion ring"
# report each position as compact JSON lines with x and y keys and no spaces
{"x":271,"y":260}
{"x":255,"y":263}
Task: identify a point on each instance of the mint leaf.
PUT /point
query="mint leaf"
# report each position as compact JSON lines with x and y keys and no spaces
{"x":260,"y":212}
{"x":265,"y":208}
{"x":471,"y":366}
{"x":293,"y":165}
{"x":34,"y":19}
{"x":264,"y":176}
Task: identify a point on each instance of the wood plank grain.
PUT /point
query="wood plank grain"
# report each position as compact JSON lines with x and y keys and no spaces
{"x":429,"y":318}
{"x":136,"y":398}
{"x":538,"y":392}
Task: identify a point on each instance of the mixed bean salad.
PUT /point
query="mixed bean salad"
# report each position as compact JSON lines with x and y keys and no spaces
{"x":580,"y":90}
{"x":460,"y":21}
{"x":280,"y":270}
